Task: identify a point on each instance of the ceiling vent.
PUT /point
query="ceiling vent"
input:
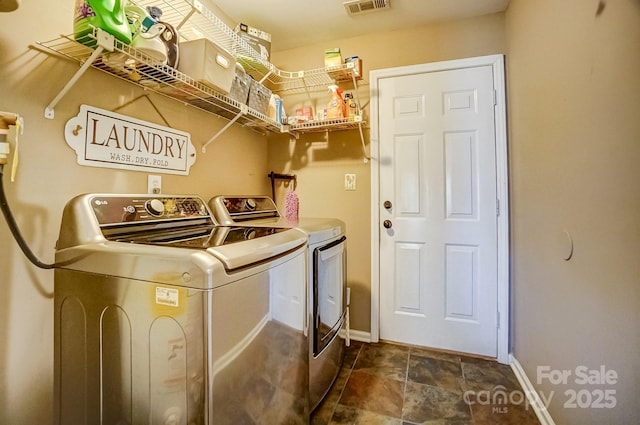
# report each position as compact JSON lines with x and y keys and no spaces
{"x":358,"y":7}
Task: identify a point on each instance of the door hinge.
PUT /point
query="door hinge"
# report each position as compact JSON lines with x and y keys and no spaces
{"x":498,"y":319}
{"x":495,"y":97}
{"x":498,"y":207}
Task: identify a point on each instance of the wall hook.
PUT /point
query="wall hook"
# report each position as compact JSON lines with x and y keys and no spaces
{"x":275,"y":176}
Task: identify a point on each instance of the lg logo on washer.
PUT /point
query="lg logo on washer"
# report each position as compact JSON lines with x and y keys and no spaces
{"x":109,"y":140}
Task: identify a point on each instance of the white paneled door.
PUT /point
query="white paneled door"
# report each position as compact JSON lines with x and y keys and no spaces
{"x":438,"y":210}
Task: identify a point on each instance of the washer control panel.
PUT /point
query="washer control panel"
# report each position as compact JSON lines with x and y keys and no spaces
{"x":119,"y":209}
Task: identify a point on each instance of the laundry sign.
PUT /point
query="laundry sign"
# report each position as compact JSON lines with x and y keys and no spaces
{"x":109,"y":140}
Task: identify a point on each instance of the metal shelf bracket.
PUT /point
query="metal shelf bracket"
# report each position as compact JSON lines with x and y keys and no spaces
{"x":244,"y":109}
{"x":105,"y":41}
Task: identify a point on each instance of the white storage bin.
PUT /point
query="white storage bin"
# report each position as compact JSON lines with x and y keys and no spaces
{"x":207,"y":63}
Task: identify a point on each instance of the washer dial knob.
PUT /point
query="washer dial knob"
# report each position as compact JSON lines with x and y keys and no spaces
{"x":129,"y":213}
{"x":155,"y":207}
{"x":250,"y":204}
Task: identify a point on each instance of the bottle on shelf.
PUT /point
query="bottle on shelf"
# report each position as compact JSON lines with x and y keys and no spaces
{"x":336,"y":107}
{"x":351,"y":106}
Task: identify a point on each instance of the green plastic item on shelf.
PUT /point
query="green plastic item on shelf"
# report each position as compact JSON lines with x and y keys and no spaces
{"x":108,"y":15}
{"x":251,"y":63}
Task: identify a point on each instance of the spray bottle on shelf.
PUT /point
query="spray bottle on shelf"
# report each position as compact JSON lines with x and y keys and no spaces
{"x":336,"y":106}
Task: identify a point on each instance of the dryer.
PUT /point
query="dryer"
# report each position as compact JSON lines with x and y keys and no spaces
{"x":326,"y":279}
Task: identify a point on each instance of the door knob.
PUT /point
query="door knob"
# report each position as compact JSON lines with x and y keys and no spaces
{"x":387,"y":224}
{"x":387,"y":204}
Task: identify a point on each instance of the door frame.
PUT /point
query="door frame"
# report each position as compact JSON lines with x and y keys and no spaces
{"x":499,"y":82}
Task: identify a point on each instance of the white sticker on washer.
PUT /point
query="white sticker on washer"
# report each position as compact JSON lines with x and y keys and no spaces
{"x":167,"y":296}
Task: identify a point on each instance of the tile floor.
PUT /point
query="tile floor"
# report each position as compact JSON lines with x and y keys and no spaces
{"x":389,"y":384}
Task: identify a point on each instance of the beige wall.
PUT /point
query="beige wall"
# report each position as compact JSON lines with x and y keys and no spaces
{"x":574,"y":104}
{"x":574,"y":96}
{"x":321,"y":164}
{"x":48,"y":176}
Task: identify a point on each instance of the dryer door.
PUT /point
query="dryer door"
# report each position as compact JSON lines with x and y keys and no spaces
{"x":329,"y":289}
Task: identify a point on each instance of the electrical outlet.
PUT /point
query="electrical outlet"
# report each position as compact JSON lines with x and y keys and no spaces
{"x":349,"y":182}
{"x":154,"y":184}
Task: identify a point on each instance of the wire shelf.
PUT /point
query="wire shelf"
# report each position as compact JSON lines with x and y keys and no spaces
{"x":325,"y":125}
{"x":193,"y":20}
{"x":136,"y":67}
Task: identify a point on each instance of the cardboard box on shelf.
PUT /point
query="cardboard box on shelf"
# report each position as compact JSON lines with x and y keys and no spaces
{"x":305,"y":113}
{"x":258,"y":40}
{"x":332,"y":57}
{"x":354,"y":63}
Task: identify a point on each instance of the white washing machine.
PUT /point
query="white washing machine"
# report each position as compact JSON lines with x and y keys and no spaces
{"x":326,"y":279}
{"x":164,"y":317}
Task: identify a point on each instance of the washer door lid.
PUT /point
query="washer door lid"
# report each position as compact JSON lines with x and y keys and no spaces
{"x":246,"y":253}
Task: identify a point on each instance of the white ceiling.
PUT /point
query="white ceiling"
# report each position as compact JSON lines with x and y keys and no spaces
{"x":295,"y":23}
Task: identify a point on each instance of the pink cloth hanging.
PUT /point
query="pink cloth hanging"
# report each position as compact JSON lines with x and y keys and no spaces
{"x":291,"y":205}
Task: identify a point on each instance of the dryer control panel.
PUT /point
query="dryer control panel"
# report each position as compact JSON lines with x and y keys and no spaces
{"x":230,"y":210}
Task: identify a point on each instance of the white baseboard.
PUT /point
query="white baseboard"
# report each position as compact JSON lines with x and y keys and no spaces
{"x":532,"y":395}
{"x":361,"y":336}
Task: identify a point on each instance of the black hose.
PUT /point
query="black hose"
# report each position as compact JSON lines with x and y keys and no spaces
{"x":15,"y":231}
